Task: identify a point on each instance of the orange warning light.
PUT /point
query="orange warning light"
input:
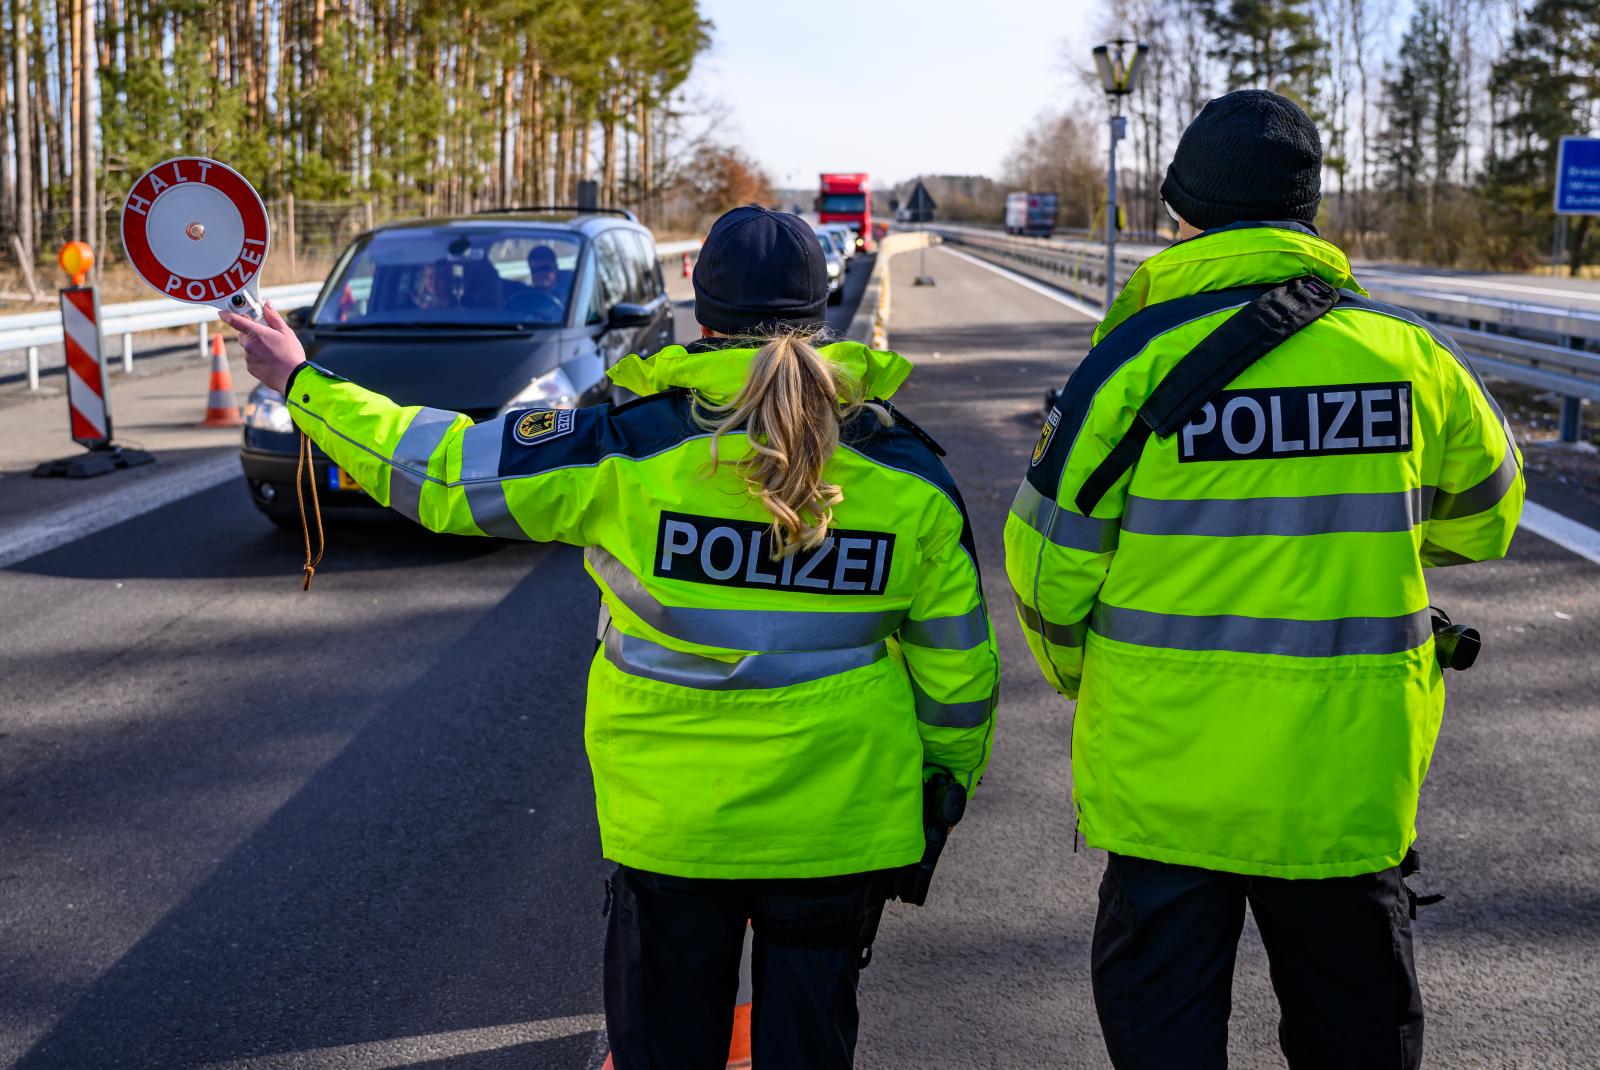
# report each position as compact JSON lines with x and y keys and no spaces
{"x":76,"y":259}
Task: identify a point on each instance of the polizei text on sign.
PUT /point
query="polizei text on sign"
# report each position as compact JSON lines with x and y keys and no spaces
{"x":195,"y":229}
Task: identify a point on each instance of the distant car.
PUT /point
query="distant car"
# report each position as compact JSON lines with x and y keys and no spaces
{"x":852,"y":237}
{"x":478,"y":314}
{"x":843,"y":239}
{"x":836,"y":268}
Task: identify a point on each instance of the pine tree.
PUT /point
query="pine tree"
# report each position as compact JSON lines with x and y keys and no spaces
{"x":1549,"y":84}
{"x":1270,"y":44}
{"x":424,"y":104}
{"x":1425,"y":132}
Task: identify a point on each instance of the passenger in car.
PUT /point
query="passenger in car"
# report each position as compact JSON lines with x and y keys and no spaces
{"x":433,"y":287}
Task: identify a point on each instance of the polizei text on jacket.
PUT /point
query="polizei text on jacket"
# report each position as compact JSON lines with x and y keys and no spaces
{"x":1300,"y":421}
{"x":738,"y":553}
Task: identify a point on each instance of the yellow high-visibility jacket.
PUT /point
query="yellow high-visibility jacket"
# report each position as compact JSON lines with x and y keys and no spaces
{"x":1243,"y":618}
{"x":746,"y":717}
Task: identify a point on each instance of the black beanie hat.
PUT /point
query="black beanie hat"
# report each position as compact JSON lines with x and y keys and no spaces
{"x":760,"y":271}
{"x":1248,"y":155}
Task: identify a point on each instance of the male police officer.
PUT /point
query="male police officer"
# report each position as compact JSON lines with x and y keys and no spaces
{"x":1240,"y":611}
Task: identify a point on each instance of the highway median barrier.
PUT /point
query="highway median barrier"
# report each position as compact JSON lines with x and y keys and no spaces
{"x":871,"y":321}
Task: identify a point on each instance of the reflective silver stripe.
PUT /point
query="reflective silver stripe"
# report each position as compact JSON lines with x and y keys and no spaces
{"x":951,"y":714}
{"x":1485,"y":495}
{"x":641,"y":657}
{"x":1263,"y":635}
{"x":1059,"y":634}
{"x":962,"y":632}
{"x":409,"y":468}
{"x":480,"y":480}
{"x":743,"y":629}
{"x":1322,"y":514}
{"x":1062,"y":526}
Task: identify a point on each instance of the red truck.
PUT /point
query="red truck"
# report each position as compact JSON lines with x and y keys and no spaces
{"x":846,"y":199}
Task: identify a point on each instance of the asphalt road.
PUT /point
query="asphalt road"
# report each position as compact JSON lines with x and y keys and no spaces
{"x":1535,"y":288}
{"x":247,"y":827}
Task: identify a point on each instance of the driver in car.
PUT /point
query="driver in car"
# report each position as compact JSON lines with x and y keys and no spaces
{"x":542,"y":296}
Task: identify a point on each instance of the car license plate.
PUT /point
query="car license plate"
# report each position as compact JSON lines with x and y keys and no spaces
{"x":339,"y":479}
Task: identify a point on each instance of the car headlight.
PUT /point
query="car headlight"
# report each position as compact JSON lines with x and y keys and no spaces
{"x":265,"y":411}
{"x":552,"y":390}
{"x":833,"y":269}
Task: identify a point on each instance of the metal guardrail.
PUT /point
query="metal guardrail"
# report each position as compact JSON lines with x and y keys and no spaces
{"x":32,"y":330}
{"x":1547,"y":347}
{"x":35,"y":329}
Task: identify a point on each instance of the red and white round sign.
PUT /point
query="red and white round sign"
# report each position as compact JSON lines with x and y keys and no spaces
{"x":197,"y":231}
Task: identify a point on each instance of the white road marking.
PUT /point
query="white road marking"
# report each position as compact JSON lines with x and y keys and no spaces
{"x":45,"y":533}
{"x":1037,"y":287}
{"x":1402,"y":277}
{"x":407,"y":1051}
{"x":1561,"y":530}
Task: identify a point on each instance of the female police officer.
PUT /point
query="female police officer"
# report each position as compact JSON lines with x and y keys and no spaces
{"x":792,"y":631}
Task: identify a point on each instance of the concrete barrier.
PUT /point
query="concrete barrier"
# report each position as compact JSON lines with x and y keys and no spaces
{"x":871,"y":321}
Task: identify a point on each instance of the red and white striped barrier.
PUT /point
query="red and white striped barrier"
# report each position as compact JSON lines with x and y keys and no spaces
{"x":87,"y":403}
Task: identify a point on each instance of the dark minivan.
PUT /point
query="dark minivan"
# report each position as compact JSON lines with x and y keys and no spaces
{"x":479,"y":314}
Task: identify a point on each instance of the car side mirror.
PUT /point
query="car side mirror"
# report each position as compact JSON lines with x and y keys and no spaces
{"x":627,"y":314}
{"x":297,"y":318}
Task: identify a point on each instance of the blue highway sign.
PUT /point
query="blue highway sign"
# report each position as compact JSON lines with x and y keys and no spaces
{"x":1578,"y":176}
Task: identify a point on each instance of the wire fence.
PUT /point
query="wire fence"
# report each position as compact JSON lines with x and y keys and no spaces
{"x":319,"y":229}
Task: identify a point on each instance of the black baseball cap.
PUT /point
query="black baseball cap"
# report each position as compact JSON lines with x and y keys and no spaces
{"x":760,"y":271}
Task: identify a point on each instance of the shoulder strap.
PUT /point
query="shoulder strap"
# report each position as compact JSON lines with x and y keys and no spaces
{"x":1221,"y":357}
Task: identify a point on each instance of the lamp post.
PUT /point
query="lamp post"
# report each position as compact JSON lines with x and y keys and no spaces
{"x":1118,"y":63}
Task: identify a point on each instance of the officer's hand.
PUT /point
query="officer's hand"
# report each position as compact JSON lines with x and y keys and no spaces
{"x":271,"y":350}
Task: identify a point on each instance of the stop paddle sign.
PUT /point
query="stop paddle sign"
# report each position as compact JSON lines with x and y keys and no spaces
{"x":197,"y":231}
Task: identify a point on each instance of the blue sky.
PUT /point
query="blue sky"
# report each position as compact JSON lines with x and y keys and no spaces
{"x":894,"y":89}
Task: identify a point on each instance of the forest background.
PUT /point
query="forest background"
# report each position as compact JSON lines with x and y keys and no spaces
{"x":350,"y":112}
{"x":1440,"y":118}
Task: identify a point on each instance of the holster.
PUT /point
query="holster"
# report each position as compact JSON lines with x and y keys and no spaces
{"x":1411,"y":865}
{"x":944,"y":801}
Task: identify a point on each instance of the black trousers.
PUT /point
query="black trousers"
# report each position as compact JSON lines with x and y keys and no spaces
{"x":1339,"y":951}
{"x":672,"y":968}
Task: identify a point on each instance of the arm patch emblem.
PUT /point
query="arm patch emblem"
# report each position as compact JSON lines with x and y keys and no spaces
{"x":542,"y":425}
{"x":1046,"y":433}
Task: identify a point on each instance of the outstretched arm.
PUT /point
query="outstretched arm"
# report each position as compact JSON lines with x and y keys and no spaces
{"x":530,"y":474}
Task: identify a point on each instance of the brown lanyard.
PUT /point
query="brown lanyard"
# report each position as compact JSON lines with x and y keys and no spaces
{"x":303,"y":469}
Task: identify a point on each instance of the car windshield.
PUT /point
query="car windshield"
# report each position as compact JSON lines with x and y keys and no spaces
{"x":454,"y":276}
{"x":844,"y":202}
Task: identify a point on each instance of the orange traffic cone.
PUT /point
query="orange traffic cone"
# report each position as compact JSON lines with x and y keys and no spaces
{"x":738,"y":1047}
{"x":686,"y":272}
{"x":222,"y":408}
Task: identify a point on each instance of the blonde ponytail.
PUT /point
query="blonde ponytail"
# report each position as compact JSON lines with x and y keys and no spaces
{"x":791,"y":408}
